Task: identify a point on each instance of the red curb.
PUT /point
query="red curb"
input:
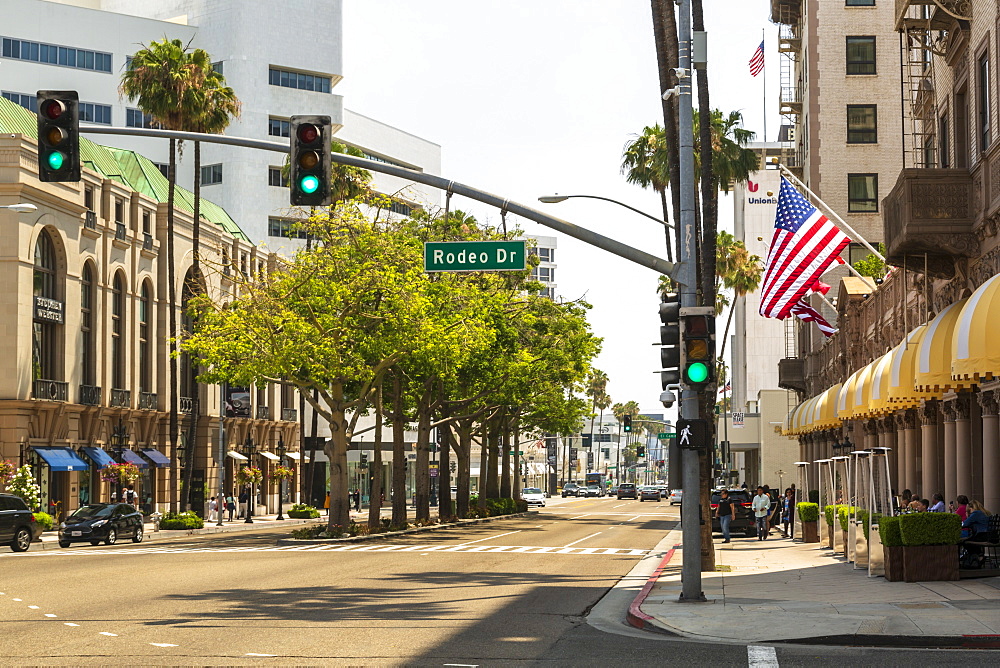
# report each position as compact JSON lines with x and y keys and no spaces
{"x":635,"y":616}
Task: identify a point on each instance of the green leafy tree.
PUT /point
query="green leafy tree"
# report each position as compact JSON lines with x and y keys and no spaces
{"x":871,"y":265}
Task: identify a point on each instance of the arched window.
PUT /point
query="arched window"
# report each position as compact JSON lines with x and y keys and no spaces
{"x":44,"y":332}
{"x":87,"y":356}
{"x":118,"y":332}
{"x":145,"y":357}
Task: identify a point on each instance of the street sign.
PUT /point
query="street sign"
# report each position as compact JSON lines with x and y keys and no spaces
{"x":474,"y":255}
{"x":663,"y":435}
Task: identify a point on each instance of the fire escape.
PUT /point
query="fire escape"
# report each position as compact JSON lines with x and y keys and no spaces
{"x":788,"y":15}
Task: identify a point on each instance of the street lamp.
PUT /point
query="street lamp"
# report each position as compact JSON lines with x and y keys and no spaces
{"x":281,"y":481}
{"x":249,"y":450}
{"x":555,"y":199}
{"x":23,"y":207}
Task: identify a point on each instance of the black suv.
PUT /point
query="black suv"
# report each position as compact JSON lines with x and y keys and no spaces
{"x":18,"y":527}
{"x":627,"y":490}
{"x":743,"y":515}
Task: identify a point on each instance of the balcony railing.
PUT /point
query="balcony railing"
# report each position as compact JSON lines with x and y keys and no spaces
{"x":121,"y":398}
{"x":120,"y":231}
{"x":791,"y":374}
{"x":263,"y":412}
{"x":90,"y":220}
{"x":939,"y":20}
{"x":147,"y":241}
{"x":186,"y":405}
{"x":289,"y":414}
{"x":90,"y":395}
{"x":50,"y":390}
{"x":148,"y":401}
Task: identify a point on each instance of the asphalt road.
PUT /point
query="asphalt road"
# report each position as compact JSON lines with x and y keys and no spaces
{"x":512,"y":591}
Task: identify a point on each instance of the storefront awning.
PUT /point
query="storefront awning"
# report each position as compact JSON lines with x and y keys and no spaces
{"x":976,"y":354}
{"x":236,"y":455}
{"x":100,"y":457}
{"x":902,"y":371}
{"x":292,"y":455}
{"x":827,"y":409}
{"x":934,"y":355}
{"x":879,"y":401}
{"x":62,"y":459}
{"x":159,"y":459}
{"x":845,"y":399}
{"x":862,"y":392}
{"x":130,"y":457}
{"x":269,"y":455}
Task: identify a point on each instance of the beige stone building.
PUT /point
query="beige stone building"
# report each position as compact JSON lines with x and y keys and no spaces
{"x":84,"y":371}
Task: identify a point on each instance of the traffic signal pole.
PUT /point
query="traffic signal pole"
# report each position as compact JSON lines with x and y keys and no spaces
{"x":687,"y":278}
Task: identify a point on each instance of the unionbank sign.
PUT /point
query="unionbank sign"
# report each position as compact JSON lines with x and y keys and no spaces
{"x":754,"y":199}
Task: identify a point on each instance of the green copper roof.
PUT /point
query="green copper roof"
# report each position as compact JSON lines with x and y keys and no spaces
{"x":127,"y":167}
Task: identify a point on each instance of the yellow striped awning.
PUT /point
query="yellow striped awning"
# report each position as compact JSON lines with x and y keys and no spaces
{"x":902,"y":372}
{"x":861,"y":396}
{"x":975,"y":351}
{"x":934,"y":355}
{"x":879,"y":401}
{"x":845,"y":398}
{"x":826,"y":408}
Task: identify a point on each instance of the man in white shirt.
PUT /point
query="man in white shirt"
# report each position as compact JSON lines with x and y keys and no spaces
{"x":761,"y":505}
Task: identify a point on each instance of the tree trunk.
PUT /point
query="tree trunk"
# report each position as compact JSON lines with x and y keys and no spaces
{"x":666,"y":230}
{"x":505,"y":456}
{"x":517,"y":460}
{"x":484,"y":464}
{"x":665,"y":39}
{"x":172,"y":317}
{"x":445,"y":509}
{"x":398,"y":453}
{"x":422,"y":472}
{"x":463,"y":450}
{"x":375,"y":474}
{"x":493,"y":461}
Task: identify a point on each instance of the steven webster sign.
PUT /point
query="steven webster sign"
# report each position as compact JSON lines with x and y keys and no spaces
{"x":474,"y":256}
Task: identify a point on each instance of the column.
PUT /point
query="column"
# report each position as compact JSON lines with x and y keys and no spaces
{"x":928,"y":448}
{"x":963,"y":449}
{"x":988,"y":400}
{"x":911,"y":444}
{"x":950,"y":474}
{"x":870,"y":428}
{"x":887,"y":439}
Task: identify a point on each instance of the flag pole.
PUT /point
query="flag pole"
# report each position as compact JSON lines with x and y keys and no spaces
{"x":764,"y":94}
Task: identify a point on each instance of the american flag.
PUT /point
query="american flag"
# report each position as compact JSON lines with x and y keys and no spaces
{"x":803,"y":311}
{"x":727,"y":388}
{"x":804,"y":244}
{"x":757,"y":61}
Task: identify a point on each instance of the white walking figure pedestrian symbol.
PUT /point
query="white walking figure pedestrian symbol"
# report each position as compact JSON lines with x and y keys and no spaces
{"x":685,"y":435}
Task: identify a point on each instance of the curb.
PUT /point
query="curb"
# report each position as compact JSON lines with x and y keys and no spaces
{"x":635,"y":616}
{"x":393,"y":534}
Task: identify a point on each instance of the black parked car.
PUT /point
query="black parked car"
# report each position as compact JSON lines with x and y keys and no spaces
{"x":627,"y":490}
{"x":743,"y":519}
{"x":18,"y":527}
{"x":96,"y":522}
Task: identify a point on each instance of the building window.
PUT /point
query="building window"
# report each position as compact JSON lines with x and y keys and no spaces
{"x":119,"y":210}
{"x":218,"y":67}
{"x":278,"y":127}
{"x":300,"y":80}
{"x":29,"y":102}
{"x":164,"y":168}
{"x":401,"y":208}
{"x":88,"y":370}
{"x":544,"y":274}
{"x":95,"y":113}
{"x":859,"y":3}
{"x":276,"y":178}
{"x":943,"y":147}
{"x":862,"y":193}
{"x":544,"y":254}
{"x":52,"y":54}
{"x":44,"y":333}
{"x":379,"y":158}
{"x":136,"y":118}
{"x":983,"y":100}
{"x":211,"y":175}
{"x":88,"y":198}
{"x":145,"y":359}
{"x":861,"y":55}
{"x":862,"y":124}
{"x":118,"y":332}
{"x":283,"y":227}
{"x":146,"y":223}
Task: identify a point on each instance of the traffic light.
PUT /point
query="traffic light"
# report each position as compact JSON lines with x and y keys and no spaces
{"x":670,"y":338}
{"x":310,"y":160}
{"x":698,"y":332}
{"x":364,"y":457}
{"x":627,"y":424}
{"x":640,"y":451}
{"x":58,"y":135}
{"x":694,"y":434}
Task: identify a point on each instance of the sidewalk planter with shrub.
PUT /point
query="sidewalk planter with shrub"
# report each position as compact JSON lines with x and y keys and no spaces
{"x":844,"y":520}
{"x":829,"y":514}
{"x":809,"y":514}
{"x":301,"y":511}
{"x":174,"y":521}
{"x":930,"y":546}
{"x":892,"y":547}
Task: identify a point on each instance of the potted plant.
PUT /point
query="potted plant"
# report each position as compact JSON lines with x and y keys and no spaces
{"x":892,"y":546}
{"x":930,"y":546}
{"x":120,"y":475}
{"x":809,"y":514}
{"x":829,"y":513}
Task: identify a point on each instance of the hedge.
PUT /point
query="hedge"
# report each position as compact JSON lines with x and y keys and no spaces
{"x":888,"y":528}
{"x":301,"y":511}
{"x":930,"y":528}
{"x":188,"y":520}
{"x":45,"y":520}
{"x":844,"y":513}
{"x":494,"y":507}
{"x":863,"y":516}
{"x":808,"y":512}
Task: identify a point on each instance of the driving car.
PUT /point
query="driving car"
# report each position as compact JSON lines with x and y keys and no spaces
{"x":627,"y":490}
{"x":742,"y":514}
{"x":581,"y":491}
{"x":649,"y":493}
{"x":18,"y":527}
{"x":533,"y":496}
{"x":97,"y":522}
{"x":664,"y":491}
{"x":675,"y":496}
{"x":613,"y":490}
{"x":594,"y":490}
{"x":569,"y":489}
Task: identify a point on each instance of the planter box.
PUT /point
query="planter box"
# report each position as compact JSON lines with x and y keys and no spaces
{"x":845,"y":545}
{"x":893,"y":563}
{"x":810,"y":532}
{"x":860,"y":548}
{"x":930,"y":563}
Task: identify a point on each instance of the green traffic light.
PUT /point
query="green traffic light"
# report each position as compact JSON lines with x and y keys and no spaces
{"x":697,"y":372}
{"x":309,"y":184}
{"x":56,"y":160}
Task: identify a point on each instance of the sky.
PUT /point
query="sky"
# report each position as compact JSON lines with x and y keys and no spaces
{"x":535,"y":97}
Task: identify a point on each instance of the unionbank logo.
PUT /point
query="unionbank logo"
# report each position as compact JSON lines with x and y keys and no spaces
{"x":752,"y":187}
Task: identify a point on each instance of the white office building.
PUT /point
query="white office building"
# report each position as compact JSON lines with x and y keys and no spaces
{"x":83,"y":45}
{"x":545,"y":272}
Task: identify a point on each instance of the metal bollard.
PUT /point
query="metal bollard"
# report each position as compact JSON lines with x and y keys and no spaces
{"x":156,"y":517}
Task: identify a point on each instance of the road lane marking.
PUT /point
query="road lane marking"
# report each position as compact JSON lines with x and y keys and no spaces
{"x":162,"y":644}
{"x":112,"y":635}
{"x":582,"y":539}
{"x":70,"y":624}
{"x":49,"y":614}
{"x":255,"y":654}
{"x":759,"y":656}
{"x":634,"y":518}
{"x":491,"y":537}
{"x":32,"y":607}
{"x":620,"y":505}
{"x":17,"y":599}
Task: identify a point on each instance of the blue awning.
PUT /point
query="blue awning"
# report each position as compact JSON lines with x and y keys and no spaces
{"x":130,"y":457}
{"x":62,"y":459}
{"x":158,"y":458}
{"x":98,"y":456}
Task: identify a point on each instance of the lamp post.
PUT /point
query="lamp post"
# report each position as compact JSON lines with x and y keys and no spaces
{"x":249,"y":450}
{"x":23,"y":207}
{"x":555,"y":199}
{"x":281,"y":481}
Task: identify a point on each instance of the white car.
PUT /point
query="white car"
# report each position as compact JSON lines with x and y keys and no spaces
{"x":675,"y":496}
{"x":533,"y":496}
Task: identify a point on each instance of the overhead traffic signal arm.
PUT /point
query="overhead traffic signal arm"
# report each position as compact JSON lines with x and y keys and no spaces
{"x":309,"y":172}
{"x":58,"y":136}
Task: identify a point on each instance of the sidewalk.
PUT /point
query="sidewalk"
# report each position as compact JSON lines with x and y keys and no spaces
{"x":779,"y":590}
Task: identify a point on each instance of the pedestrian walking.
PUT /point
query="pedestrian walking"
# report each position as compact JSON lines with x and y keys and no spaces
{"x":130,"y":497}
{"x":230,"y":506}
{"x":724,"y":511}
{"x":244,"y":503}
{"x":761,"y":505}
{"x":326,"y":505}
{"x":788,"y":507}
{"x":213,"y":508}
{"x":357,"y":500}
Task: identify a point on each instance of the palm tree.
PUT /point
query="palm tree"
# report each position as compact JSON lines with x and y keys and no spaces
{"x":737,"y":270}
{"x":645,"y":163}
{"x":597,"y":385}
